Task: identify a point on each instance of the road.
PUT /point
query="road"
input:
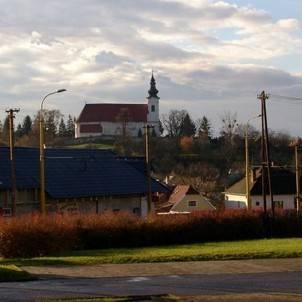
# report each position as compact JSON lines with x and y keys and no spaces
{"x":188,"y":285}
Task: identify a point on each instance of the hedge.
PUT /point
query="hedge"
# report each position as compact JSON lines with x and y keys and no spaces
{"x":34,"y":235}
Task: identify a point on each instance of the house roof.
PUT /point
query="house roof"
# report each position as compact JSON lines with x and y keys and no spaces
{"x":238,"y":187}
{"x":105,"y":112}
{"x":179,"y":192}
{"x":74,"y":173}
{"x":283,"y":183}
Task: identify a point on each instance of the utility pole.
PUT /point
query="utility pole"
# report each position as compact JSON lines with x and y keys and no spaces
{"x":296,"y":143}
{"x":247,"y":164}
{"x":265,"y":155}
{"x":247,"y":169}
{"x":148,"y":166}
{"x":11,"y":116}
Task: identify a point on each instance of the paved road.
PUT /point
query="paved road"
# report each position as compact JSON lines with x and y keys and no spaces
{"x":276,"y":282}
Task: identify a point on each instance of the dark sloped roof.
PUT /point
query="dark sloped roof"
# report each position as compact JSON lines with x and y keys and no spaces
{"x":106,"y":112}
{"x":283,"y":182}
{"x":74,"y":173}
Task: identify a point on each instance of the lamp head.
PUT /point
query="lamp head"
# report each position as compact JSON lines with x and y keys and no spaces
{"x":61,"y":90}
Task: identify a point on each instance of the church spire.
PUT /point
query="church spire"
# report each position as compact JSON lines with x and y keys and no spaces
{"x":153,"y":91}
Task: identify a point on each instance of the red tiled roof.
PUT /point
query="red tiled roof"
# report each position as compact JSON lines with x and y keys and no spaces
{"x":112,"y":113}
{"x":91,"y":128}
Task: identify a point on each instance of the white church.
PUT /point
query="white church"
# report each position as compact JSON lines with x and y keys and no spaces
{"x":110,"y":119}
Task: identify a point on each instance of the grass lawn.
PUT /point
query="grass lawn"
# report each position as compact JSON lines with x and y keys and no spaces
{"x":93,"y":146}
{"x":13,"y":273}
{"x":159,"y":298}
{"x":252,"y":249}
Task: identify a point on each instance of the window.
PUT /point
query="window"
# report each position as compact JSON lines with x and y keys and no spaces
{"x":257,"y":203}
{"x":137,"y":211}
{"x":278,"y":204}
{"x":153,"y":108}
{"x":192,"y":203}
{"x":6,"y":212}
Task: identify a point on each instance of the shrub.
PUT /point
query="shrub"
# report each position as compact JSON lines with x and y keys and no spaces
{"x":30,"y":236}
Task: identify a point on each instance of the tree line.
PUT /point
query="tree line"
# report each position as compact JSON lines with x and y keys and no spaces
{"x":27,"y":132}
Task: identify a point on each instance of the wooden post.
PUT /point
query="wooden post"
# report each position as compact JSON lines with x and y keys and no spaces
{"x":11,"y":117}
{"x":148,"y":166}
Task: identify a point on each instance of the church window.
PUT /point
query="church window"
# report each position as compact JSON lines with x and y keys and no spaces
{"x":153,"y":108}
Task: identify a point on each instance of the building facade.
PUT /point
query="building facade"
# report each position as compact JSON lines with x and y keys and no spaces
{"x":283,"y":187}
{"x":77,"y":181}
{"x":107,"y":119}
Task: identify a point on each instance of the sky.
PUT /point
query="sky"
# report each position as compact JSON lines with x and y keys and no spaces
{"x":208,"y":57}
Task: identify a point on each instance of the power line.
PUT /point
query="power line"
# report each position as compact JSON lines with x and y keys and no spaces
{"x":285,"y":97}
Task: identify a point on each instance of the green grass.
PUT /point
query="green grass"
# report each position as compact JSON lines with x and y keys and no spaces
{"x":9,"y":273}
{"x":93,"y":146}
{"x":252,"y":249}
{"x":159,"y":298}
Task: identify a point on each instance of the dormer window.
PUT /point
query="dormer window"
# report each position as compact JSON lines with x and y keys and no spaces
{"x":153,"y":108}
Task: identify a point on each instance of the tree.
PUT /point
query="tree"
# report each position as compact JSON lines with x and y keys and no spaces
{"x":62,"y":128}
{"x":70,"y":127}
{"x":229,"y":127}
{"x":5,"y":130}
{"x":26,"y":125}
{"x":204,"y":127}
{"x":160,"y":127}
{"x":187,"y":127}
{"x":19,"y":131}
{"x":153,"y":134}
{"x":173,"y":122}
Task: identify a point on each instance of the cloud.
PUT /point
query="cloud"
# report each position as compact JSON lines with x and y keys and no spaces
{"x":202,"y":51}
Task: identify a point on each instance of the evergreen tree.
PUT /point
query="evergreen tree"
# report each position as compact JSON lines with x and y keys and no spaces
{"x":62,"y":128}
{"x":5,"y":130}
{"x":153,"y":134}
{"x":50,"y":126}
{"x":204,"y":127}
{"x":160,"y":127}
{"x":187,"y":127}
{"x":70,"y":127}
{"x":27,"y":125}
{"x":19,"y":131}
{"x":140,"y":133}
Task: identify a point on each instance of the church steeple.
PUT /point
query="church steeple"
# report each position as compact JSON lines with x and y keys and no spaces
{"x":152,"y":91}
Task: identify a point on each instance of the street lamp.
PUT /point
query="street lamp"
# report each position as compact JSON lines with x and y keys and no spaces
{"x":42,"y":154}
{"x":247,"y":165}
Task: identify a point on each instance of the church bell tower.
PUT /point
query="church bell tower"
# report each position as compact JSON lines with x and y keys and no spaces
{"x":153,"y":106}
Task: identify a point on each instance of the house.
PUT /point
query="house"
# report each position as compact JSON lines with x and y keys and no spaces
{"x":107,"y":119}
{"x":283,"y":186}
{"x":77,"y":180}
{"x":185,"y":199}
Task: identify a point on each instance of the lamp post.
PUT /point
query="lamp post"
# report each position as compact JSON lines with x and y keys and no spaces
{"x":247,"y":164}
{"x":42,"y":154}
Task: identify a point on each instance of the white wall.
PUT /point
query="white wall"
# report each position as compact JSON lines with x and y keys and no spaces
{"x":288,"y":201}
{"x":233,"y":201}
{"x":153,"y":117}
{"x":112,"y":129}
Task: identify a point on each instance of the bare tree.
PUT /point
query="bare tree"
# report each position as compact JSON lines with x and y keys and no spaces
{"x":229,"y":126}
{"x":173,"y":122}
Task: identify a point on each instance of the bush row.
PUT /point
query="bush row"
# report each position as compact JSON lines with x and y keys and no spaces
{"x":35,"y":235}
